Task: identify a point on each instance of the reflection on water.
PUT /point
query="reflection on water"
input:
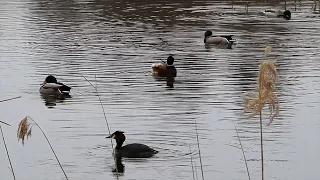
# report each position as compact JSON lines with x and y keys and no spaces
{"x":119,"y":167}
{"x":114,"y":43}
{"x":51,"y":100}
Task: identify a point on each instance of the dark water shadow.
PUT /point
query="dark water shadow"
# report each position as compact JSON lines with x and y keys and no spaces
{"x":51,"y":100}
{"x":118,"y":167}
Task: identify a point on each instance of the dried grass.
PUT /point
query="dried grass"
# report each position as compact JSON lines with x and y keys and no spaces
{"x":24,"y":131}
{"x":255,"y":102}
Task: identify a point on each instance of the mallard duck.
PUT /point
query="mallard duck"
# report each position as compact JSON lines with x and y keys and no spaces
{"x":286,"y":14}
{"x":218,"y":40}
{"x":134,"y":150}
{"x":52,"y":87}
{"x":164,"y":69}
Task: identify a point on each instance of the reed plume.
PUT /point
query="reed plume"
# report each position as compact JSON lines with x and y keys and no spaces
{"x":255,"y":104}
{"x":24,"y":131}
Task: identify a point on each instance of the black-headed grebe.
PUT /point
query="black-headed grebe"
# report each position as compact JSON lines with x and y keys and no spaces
{"x":134,"y":150}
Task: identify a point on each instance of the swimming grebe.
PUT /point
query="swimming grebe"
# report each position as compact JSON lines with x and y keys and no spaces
{"x":52,"y":87}
{"x":134,"y":150}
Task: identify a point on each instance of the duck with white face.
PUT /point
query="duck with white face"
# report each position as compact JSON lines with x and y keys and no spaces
{"x":134,"y":150}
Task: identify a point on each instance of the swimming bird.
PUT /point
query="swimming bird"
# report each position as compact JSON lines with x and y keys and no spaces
{"x":286,"y":14}
{"x":134,"y":150}
{"x":218,"y":40}
{"x":52,"y":87}
{"x":164,"y":69}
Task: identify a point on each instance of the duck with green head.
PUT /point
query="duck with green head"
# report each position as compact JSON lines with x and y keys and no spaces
{"x":52,"y":87}
{"x":276,"y":13}
{"x":209,"y":38}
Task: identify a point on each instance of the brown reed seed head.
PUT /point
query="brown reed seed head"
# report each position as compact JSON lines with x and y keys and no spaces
{"x":24,"y":129}
{"x":268,"y":77}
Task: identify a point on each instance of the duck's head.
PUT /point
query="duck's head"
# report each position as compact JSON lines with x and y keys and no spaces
{"x":118,"y":136}
{"x":50,"y":79}
{"x":170,"y":60}
{"x":208,"y":33}
{"x":287,"y":15}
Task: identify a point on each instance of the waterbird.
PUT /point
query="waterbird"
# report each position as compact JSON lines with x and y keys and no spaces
{"x":52,"y":87}
{"x":134,"y":150}
{"x":218,"y":39}
{"x":277,"y":13}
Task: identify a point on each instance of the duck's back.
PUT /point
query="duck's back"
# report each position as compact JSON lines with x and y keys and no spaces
{"x":137,"y":150}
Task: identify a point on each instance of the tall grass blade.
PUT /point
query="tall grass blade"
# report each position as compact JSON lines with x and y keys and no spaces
{"x":191,"y":163}
{"x":5,"y":146}
{"x":10,"y":99}
{"x":195,"y":123}
{"x":5,"y":123}
{"x":24,"y":130}
{"x":105,"y":117}
{"x":244,"y":156}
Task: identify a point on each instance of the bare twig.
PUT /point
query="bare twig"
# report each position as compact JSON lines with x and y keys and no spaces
{"x":10,"y":99}
{"x":244,"y":156}
{"x":195,"y":123}
{"x":5,"y":146}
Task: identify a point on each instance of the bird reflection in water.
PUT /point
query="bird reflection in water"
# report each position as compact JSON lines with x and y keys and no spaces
{"x":51,"y":100}
{"x":119,"y":167}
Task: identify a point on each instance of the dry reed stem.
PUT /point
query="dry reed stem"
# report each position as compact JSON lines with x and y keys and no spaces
{"x":191,"y":163}
{"x":195,"y":123}
{"x":24,"y":131}
{"x":105,"y":117}
{"x":5,"y":123}
{"x":7,"y":151}
{"x":244,"y":156}
{"x":10,"y":99}
{"x":268,"y":77}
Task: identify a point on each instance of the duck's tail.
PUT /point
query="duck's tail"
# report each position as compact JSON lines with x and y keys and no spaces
{"x":64,"y":89}
{"x":229,"y":38}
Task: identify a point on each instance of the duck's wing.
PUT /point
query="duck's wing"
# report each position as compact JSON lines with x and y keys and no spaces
{"x":137,"y":148}
{"x":228,"y":37}
{"x":64,"y":88}
{"x":51,"y":86}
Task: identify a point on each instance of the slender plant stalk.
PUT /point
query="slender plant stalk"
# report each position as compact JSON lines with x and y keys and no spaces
{"x":10,"y":99}
{"x":105,"y":117}
{"x":191,"y":163}
{"x":195,"y":123}
{"x":261,"y":146}
{"x":244,"y":156}
{"x":5,"y":123}
{"x":54,"y":153}
{"x":5,"y":146}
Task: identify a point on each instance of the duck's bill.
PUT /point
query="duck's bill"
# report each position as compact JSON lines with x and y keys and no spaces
{"x":43,"y":83}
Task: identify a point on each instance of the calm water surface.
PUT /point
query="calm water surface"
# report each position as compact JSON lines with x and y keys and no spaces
{"x":117,"y":41}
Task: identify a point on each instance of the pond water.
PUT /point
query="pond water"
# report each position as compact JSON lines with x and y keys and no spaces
{"x":113,"y":44}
